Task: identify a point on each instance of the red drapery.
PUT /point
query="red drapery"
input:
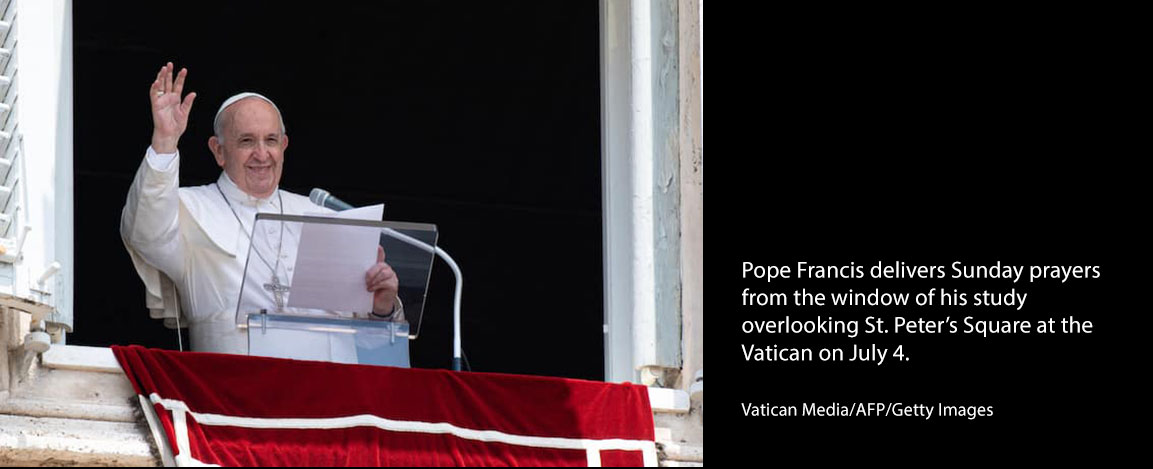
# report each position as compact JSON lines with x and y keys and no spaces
{"x":238,"y":410}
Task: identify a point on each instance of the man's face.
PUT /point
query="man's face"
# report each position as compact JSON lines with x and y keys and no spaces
{"x":251,"y":149}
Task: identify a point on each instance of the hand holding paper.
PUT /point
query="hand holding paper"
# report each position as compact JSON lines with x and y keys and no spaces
{"x":382,"y":282}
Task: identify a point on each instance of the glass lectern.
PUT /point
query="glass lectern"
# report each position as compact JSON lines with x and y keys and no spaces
{"x":304,"y":293}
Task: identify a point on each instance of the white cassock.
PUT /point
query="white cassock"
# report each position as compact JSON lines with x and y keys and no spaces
{"x":187,"y":239}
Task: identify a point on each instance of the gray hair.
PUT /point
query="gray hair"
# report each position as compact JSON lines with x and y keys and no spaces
{"x":230,"y":101}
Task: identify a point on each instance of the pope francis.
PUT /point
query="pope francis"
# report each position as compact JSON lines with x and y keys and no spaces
{"x":189,"y":244}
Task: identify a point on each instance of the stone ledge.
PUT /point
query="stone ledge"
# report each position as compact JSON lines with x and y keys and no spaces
{"x":31,"y":407}
{"x":80,"y":358}
{"x":53,"y":421}
{"x":672,"y":401}
{"x":57,"y":441}
{"x":46,"y":388}
{"x":672,"y":463}
{"x":683,"y":453}
{"x":101,"y":359}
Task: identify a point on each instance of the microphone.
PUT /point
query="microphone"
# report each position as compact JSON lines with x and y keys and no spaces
{"x":322,"y":198}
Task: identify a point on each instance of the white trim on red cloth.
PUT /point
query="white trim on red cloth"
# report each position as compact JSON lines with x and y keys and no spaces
{"x":593,"y":447}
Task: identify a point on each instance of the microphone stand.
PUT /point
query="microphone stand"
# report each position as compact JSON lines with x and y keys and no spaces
{"x":456,"y":350}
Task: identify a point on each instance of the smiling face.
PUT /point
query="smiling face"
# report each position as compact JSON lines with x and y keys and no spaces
{"x":251,"y":147}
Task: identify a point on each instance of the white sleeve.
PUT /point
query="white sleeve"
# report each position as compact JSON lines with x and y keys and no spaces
{"x":149,"y":224}
{"x":160,"y":161}
{"x":397,"y":314}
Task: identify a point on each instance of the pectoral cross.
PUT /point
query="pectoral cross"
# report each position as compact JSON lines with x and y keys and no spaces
{"x":278,"y":290}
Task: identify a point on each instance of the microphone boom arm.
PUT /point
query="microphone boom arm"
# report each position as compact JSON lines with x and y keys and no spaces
{"x":456,"y":348}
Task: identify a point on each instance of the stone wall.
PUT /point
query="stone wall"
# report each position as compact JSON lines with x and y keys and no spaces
{"x":72,"y":406}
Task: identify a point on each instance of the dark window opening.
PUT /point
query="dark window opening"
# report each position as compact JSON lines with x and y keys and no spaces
{"x":481,"y":118}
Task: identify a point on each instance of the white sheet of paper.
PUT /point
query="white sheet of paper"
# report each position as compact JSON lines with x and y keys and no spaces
{"x":331,"y":263}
